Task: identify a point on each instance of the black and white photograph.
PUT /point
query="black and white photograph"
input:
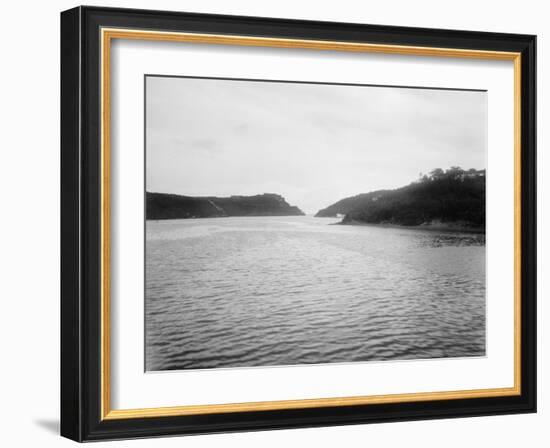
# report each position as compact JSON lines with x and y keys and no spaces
{"x":284,"y":220}
{"x":295,"y":223}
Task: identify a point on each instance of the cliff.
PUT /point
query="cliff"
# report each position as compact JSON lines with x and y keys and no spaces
{"x":171,"y":206}
{"x":454,"y":198}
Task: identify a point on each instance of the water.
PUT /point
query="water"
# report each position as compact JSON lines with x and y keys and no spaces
{"x":241,"y":292}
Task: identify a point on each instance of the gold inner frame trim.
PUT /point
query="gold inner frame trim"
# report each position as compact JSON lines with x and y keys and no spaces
{"x":107,"y":35}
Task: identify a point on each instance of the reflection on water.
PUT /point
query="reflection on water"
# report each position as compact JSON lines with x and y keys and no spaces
{"x":235,"y":292}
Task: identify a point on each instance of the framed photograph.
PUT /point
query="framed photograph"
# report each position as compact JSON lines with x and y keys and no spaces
{"x":273,"y":223}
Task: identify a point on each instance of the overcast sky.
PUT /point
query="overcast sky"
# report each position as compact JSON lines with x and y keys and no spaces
{"x":313,"y":144}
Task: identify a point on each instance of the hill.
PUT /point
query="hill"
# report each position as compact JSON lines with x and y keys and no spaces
{"x":172,"y":206}
{"x":346,"y":205}
{"x":454,"y":197}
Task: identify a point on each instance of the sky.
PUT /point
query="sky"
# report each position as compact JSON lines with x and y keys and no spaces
{"x":314,"y":144}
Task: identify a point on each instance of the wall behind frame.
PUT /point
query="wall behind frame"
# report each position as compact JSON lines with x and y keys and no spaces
{"x":29,"y":228}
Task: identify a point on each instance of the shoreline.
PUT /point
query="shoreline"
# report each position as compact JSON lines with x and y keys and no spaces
{"x":428,"y":227}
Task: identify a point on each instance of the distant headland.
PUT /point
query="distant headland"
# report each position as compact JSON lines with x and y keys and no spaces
{"x":452,"y":199}
{"x":172,"y":206}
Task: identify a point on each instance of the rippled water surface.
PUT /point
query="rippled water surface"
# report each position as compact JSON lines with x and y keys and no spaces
{"x":240,"y":292}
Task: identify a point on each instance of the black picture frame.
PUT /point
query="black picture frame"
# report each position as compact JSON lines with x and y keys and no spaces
{"x":81,"y":414}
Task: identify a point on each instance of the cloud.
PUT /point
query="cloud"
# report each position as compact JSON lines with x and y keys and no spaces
{"x":314,"y":143}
